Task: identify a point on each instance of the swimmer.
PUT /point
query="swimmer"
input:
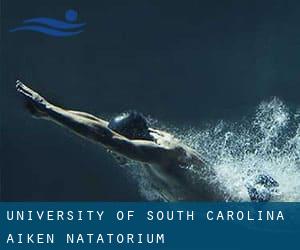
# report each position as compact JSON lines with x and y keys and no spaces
{"x":129,"y":136}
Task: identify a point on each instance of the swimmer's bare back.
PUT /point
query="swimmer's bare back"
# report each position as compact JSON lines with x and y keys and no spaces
{"x":167,"y":156}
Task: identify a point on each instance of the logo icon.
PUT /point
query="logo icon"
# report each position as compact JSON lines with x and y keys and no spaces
{"x":53,"y":27}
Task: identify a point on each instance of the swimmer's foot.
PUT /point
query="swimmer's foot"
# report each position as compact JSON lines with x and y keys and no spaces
{"x":34,"y":103}
{"x":264,"y":188}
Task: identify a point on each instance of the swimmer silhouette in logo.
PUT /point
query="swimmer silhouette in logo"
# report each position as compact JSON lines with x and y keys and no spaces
{"x":166,"y":158}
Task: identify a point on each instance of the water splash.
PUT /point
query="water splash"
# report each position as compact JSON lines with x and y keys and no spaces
{"x":267,"y":142}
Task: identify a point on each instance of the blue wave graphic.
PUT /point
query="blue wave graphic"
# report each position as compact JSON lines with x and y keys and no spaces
{"x":53,"y":23}
{"x":53,"y":27}
{"x":47,"y":31}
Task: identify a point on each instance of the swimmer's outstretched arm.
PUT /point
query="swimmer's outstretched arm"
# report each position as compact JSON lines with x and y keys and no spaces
{"x":95,"y":129}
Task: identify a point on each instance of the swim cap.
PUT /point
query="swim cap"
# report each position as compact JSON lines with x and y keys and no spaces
{"x":132,"y":125}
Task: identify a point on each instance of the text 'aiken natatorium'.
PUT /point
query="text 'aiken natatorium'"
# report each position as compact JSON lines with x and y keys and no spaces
{"x":87,"y":238}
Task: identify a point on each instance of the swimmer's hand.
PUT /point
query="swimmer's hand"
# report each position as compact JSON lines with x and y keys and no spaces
{"x":35,"y":103}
